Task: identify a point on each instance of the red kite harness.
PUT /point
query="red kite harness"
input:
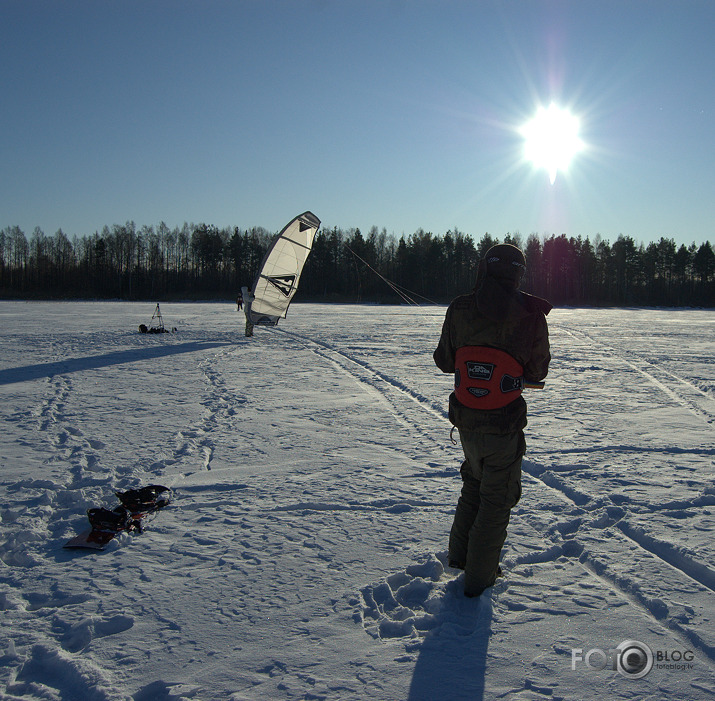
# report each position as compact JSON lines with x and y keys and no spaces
{"x":486,"y":378}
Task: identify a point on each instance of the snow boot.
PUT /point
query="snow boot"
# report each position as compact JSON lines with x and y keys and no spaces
{"x":473,"y":593}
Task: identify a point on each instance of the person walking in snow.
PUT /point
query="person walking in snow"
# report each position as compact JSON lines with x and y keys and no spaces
{"x":494,"y":340}
{"x":247,"y":299}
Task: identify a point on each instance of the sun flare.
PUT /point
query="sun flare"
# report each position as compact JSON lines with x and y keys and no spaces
{"x":551,"y":139}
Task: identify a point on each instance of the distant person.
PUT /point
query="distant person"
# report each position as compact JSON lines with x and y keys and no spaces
{"x":239,"y":302}
{"x":493,"y":340}
{"x":247,"y":297}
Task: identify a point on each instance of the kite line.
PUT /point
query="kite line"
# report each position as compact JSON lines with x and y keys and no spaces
{"x":405,"y":294}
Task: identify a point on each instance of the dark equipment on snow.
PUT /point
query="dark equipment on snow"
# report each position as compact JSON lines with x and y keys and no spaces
{"x":157,"y":323}
{"x":106,"y":524}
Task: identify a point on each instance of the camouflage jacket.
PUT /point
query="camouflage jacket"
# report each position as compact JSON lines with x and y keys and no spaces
{"x":502,"y":318}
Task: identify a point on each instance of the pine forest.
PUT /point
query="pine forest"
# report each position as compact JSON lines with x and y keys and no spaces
{"x":203,"y":262}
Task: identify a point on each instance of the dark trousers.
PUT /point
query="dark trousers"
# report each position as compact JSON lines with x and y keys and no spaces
{"x":491,"y":487}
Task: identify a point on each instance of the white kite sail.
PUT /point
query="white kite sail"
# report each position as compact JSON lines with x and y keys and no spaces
{"x":277,"y":279}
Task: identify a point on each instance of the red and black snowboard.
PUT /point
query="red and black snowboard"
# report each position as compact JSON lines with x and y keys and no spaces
{"x":106,"y":524}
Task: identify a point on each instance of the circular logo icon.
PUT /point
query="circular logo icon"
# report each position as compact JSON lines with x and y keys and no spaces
{"x":635,"y":660}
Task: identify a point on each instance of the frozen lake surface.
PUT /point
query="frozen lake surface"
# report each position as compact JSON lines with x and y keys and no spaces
{"x":314,"y":483}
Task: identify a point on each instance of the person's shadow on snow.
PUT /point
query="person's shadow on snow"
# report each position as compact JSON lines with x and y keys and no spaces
{"x":452,"y":659}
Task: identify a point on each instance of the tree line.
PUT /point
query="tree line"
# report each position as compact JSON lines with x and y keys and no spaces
{"x":200,"y":261}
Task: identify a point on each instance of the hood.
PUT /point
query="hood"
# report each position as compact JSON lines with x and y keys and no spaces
{"x":499,"y":301}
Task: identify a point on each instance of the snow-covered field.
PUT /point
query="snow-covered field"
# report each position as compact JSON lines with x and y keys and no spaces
{"x":314,"y":484}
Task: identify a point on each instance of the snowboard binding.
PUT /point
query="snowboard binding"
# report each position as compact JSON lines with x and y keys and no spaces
{"x":145,"y":499}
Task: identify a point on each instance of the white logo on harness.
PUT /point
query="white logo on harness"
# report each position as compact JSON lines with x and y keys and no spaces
{"x":478,"y":391}
{"x":480,"y":371}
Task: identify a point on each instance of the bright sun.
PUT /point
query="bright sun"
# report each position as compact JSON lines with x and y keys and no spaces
{"x":551,"y":139}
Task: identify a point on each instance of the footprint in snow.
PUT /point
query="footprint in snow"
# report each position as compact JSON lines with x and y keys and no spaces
{"x":426,"y":598}
{"x":79,"y":635}
{"x":49,"y":673}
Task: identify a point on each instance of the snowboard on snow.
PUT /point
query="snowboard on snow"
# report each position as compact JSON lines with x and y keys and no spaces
{"x":128,"y":517}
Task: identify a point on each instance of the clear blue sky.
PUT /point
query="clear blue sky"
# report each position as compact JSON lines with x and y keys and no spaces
{"x":395,"y":113}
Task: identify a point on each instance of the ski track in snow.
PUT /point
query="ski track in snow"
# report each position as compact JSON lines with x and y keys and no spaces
{"x":581,"y":532}
{"x":572,"y":551}
{"x":220,"y":406}
{"x":699,"y":401}
{"x":374,"y":378}
{"x":389,"y":388}
{"x":402,"y":618}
